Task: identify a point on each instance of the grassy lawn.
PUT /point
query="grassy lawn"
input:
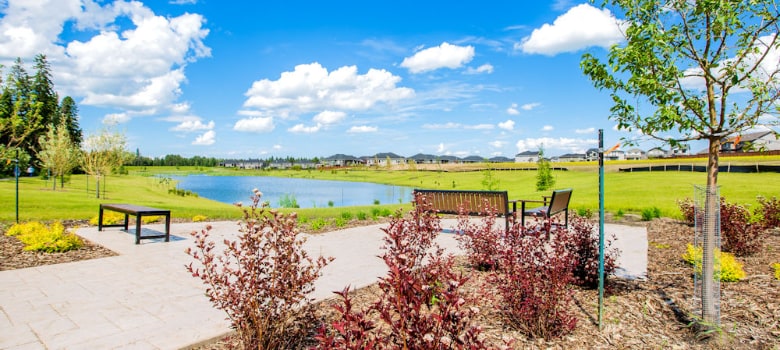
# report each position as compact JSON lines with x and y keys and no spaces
{"x":627,"y":192}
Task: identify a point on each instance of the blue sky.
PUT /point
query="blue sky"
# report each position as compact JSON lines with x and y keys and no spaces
{"x":249,"y":79}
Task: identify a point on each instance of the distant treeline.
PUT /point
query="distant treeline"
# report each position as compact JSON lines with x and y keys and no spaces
{"x":174,"y":160}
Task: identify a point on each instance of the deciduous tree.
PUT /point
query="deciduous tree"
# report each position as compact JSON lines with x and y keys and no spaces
{"x":58,"y":153}
{"x":695,"y":70}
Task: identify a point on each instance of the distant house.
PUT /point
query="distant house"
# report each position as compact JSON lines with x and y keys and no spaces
{"x":527,"y":157}
{"x":341,"y":160}
{"x":635,"y":154}
{"x":448,"y":159}
{"x":382,"y":159}
{"x":592,"y":154}
{"x":421,"y":158}
{"x":681,"y":150}
{"x":615,"y":155}
{"x":657,"y":152}
{"x":500,"y":159}
{"x":472,"y":159}
{"x":572,"y":157}
{"x":757,"y":141}
{"x":280,"y":164}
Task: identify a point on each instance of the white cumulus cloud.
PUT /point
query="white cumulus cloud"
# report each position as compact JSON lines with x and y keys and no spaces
{"x":497,"y":144}
{"x":256,"y":124}
{"x":193,"y":125}
{"x":362,"y":129}
{"x":485,"y":68}
{"x":507,"y":125}
{"x":530,"y":106}
{"x":311,"y":88}
{"x":302,"y":129}
{"x":512,"y":110}
{"x":445,"y":55}
{"x":582,"y":26}
{"x":207,"y":138}
{"x":548,"y":128}
{"x":116,"y":118}
{"x":329,"y":117}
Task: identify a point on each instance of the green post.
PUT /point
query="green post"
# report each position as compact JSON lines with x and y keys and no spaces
{"x":601,"y":226}
{"x":16,"y":175}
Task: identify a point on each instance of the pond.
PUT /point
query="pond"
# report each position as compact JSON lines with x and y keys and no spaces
{"x":279,"y":191}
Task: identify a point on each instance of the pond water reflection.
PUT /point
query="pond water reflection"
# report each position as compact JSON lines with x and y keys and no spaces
{"x":307,"y":192}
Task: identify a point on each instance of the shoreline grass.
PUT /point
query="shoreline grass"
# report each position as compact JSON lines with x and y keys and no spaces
{"x":624,"y":192}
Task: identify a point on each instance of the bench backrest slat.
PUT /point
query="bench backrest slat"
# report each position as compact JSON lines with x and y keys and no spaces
{"x":449,"y":201}
{"x":559,"y":201}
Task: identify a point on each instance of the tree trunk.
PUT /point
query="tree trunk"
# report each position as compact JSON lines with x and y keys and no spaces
{"x":711,"y":223}
{"x":97,"y":187}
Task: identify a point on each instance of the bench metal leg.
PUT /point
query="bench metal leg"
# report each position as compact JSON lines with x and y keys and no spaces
{"x":168,"y":227}
{"x":138,"y":229}
{"x":100,"y":219}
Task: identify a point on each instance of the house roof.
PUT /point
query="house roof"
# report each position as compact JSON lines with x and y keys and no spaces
{"x":527,"y":153}
{"x":421,"y":156}
{"x":388,"y":154}
{"x":473,"y":159}
{"x":341,"y":157}
{"x":500,"y":159}
{"x":572,"y":155}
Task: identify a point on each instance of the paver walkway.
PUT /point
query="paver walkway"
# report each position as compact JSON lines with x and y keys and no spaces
{"x":145,"y":299}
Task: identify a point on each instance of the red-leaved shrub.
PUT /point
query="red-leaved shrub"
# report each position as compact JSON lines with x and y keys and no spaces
{"x":688,"y":210}
{"x":481,"y":240}
{"x":420,"y":304}
{"x":582,"y":241}
{"x":534,"y":281}
{"x":261,"y":280}
{"x":352,"y":330}
{"x":769,"y":212}
{"x":738,"y":235}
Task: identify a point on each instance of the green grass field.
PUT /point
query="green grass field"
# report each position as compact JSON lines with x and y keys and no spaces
{"x":627,"y":192}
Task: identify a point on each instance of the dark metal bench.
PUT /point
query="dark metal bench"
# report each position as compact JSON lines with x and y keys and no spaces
{"x":138,"y":211}
{"x":472,"y":202}
{"x":552,"y":205}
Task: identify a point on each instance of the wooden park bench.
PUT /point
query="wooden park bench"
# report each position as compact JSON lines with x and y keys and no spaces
{"x":471,"y":202}
{"x":137,"y":211}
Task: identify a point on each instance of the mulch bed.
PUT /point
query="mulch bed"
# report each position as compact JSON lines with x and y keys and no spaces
{"x":652,"y":313}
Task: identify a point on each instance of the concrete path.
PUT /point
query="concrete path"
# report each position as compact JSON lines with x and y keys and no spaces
{"x":145,"y":299}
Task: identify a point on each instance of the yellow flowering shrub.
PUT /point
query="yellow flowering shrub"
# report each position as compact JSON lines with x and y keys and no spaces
{"x":727,"y":267}
{"x":199,"y":218}
{"x":38,"y":237}
{"x":109,"y":218}
{"x":776,"y":266}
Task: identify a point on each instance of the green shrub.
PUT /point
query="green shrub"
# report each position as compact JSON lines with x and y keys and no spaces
{"x":375,"y":213}
{"x":38,"y":237}
{"x":318,"y":223}
{"x":346,"y":215}
{"x":288,"y":201}
{"x":340,"y":222}
{"x":330,"y":204}
{"x":584,"y":212}
{"x":619,"y":214}
{"x":727,"y":268}
{"x":361,"y":215}
{"x":199,"y":218}
{"x":376,"y":202}
{"x":650,"y":213}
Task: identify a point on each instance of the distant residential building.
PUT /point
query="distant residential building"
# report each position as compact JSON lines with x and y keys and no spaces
{"x":341,"y":160}
{"x":572,"y":157}
{"x":681,"y":150}
{"x":757,"y":141}
{"x":615,"y":155}
{"x":657,"y":152}
{"x":635,"y":154}
{"x":592,"y":154}
{"x":421,"y":158}
{"x":448,"y":159}
{"x":381,"y":159}
{"x":527,"y":157}
{"x":500,"y":159}
{"x":472,"y":159}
